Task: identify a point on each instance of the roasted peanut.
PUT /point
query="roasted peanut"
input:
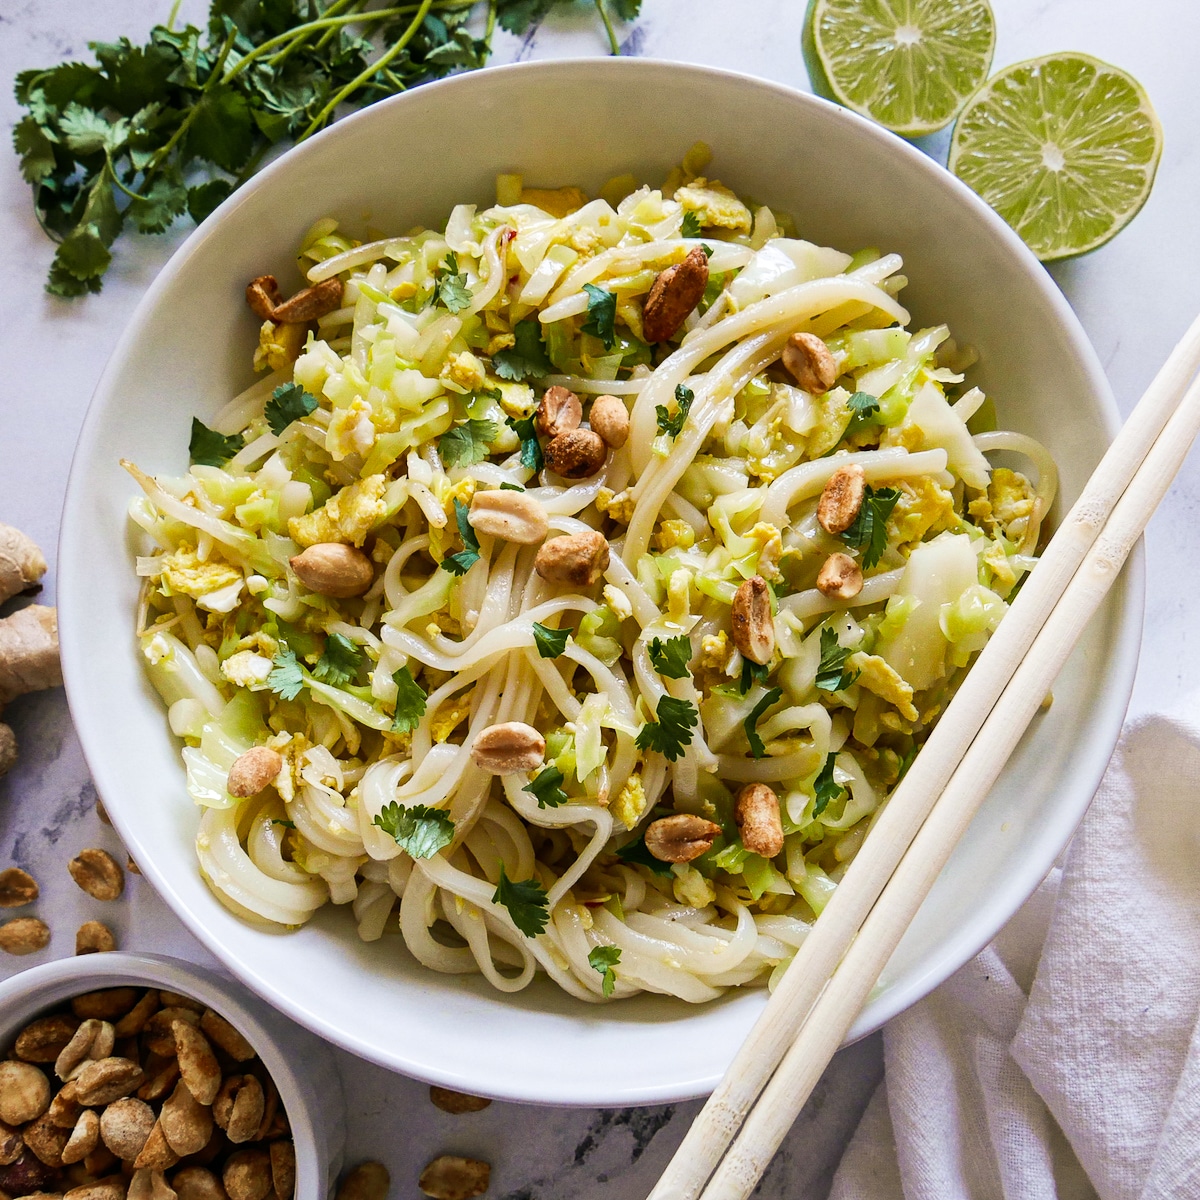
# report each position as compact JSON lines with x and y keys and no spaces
{"x":109,"y":1004}
{"x":112,"y":1188}
{"x":24,"y":1093}
{"x":840,"y":577}
{"x":577,"y":559}
{"x":159,"y":1034}
{"x":107,"y":1080}
{"x":756,"y":812}
{"x":197,"y":1183}
{"x":156,"y":1154}
{"x":239,"y":1106}
{"x":17,"y":888}
{"x":808,"y":360}
{"x":83,"y":1137}
{"x":253,"y":771}
{"x":368,"y":1181}
{"x":673,"y":295}
{"x":161,"y":1082}
{"x":134,"y":1021}
{"x":510,"y":516}
{"x":751,"y":621}
{"x":610,"y":419}
{"x":101,"y":1161}
{"x":247,"y":1175}
{"x":508,"y":747}
{"x":559,"y":411}
{"x":223,"y":1035}
{"x":25,"y":935}
{"x":125,"y":1126}
{"x":42,"y":1040}
{"x":179,"y":1000}
{"x":841,"y":499}
{"x":274,"y":1120}
{"x":46,"y":1140}
{"x":11,"y":1145}
{"x":149,"y":1183}
{"x":94,"y":1039}
{"x":197,"y":1064}
{"x":456,"y":1102}
{"x":450,"y":1177}
{"x":681,"y":837}
{"x":65,"y":1108}
{"x":186,"y":1124}
{"x":94,"y":937}
{"x":333,"y":569}
{"x":98,"y":874}
{"x":576,"y":454}
{"x":283,"y":1169}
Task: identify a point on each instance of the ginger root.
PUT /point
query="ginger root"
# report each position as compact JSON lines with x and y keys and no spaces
{"x":28,"y":638}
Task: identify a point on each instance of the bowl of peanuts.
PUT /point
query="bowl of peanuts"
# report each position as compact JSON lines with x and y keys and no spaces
{"x":141,"y":1077}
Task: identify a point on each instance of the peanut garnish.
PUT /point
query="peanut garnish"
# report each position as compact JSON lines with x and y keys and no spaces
{"x":753,"y":626}
{"x":610,"y":419}
{"x":508,"y":747}
{"x":841,"y":499}
{"x":840,"y":577}
{"x":808,"y":360}
{"x":576,"y":454}
{"x":674,"y":294}
{"x":334,"y":569}
{"x":450,"y":1177}
{"x":756,"y":812}
{"x":680,"y":838}
{"x":17,"y":888}
{"x":252,"y":771}
{"x":560,"y":410}
{"x":510,"y":516}
{"x":456,"y":1103}
{"x":98,"y":874}
{"x":368,"y":1181}
{"x":25,"y":935}
{"x":578,"y":559}
{"x":93,"y":937}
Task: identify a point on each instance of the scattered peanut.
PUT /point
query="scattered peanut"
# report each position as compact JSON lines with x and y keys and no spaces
{"x":508,"y":747}
{"x":841,"y":499}
{"x":680,"y":838}
{"x":808,"y":360}
{"x":368,"y":1181}
{"x":107,"y":1080}
{"x":559,"y":411}
{"x":333,"y":569}
{"x":42,"y":1040}
{"x":223,"y":1035}
{"x":186,"y":1124}
{"x":252,"y":771}
{"x":756,"y":812}
{"x":510,"y":516}
{"x":456,"y":1102}
{"x":673,"y":295}
{"x":610,"y":419}
{"x":198,"y":1065}
{"x":576,"y":454}
{"x":450,"y":1177}
{"x":247,"y":1175}
{"x":98,"y":874}
{"x":751,"y":621}
{"x":24,"y":1093}
{"x":125,"y":1126}
{"x":83,"y":1137}
{"x":94,"y":937}
{"x":25,"y":935}
{"x":578,"y":559}
{"x":17,"y":888}
{"x":840,"y":577}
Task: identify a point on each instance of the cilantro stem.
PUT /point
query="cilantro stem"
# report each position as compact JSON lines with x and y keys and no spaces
{"x":612,"y":35}
{"x":491,"y":22}
{"x":372,"y":69}
{"x":293,"y":38}
{"x":173,"y":14}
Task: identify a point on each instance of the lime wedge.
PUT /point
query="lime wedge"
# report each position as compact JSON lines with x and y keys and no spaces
{"x":910,"y":65}
{"x":1064,"y":148}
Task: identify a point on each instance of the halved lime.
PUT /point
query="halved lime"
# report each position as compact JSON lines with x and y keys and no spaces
{"x":907,"y":64}
{"x":1064,"y":148}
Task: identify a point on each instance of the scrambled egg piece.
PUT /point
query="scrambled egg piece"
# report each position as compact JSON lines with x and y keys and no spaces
{"x":675,"y":533}
{"x":1003,"y":574}
{"x":1012,"y":499}
{"x":877,"y":676}
{"x":351,"y":431}
{"x":714,"y":650}
{"x":501,"y":341}
{"x":291,"y":747}
{"x":214,"y":584}
{"x":618,"y":602}
{"x":631,"y":802}
{"x":629,"y":311}
{"x":464,"y":372}
{"x":691,"y":887}
{"x":463,"y":491}
{"x":450,"y":715}
{"x":833,"y":415}
{"x":278,"y":346}
{"x":923,"y":506}
{"x":246,"y":669}
{"x":715,"y":205}
{"x":619,"y":505}
{"x":347,"y":516}
{"x":770,"y":542}
{"x":558,"y":202}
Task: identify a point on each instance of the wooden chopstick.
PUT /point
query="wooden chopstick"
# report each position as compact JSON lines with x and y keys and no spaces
{"x":913,"y":799}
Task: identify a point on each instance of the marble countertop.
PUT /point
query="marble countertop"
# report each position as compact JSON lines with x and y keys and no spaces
{"x":1134,"y":297}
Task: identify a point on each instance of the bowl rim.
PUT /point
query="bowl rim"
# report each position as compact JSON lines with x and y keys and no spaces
{"x":951,"y":954}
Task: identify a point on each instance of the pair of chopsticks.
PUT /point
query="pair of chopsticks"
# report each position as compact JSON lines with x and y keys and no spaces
{"x":833,"y":972}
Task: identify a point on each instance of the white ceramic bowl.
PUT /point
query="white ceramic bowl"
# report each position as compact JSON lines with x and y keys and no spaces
{"x":300,"y":1064}
{"x":187,"y":349}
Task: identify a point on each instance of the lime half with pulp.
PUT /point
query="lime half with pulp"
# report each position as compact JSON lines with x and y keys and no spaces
{"x":1064,"y":148}
{"x":909,"y":65}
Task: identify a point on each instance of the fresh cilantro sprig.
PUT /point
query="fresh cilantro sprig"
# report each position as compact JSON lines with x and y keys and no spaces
{"x":410,"y":702}
{"x":602,"y":315}
{"x":461,"y":562}
{"x":526,"y":359}
{"x":546,"y":787}
{"x":673,"y":424}
{"x":468,"y":443}
{"x":832,"y":675}
{"x":603,"y":959}
{"x":635,"y":852}
{"x":550,"y":643}
{"x":452,"y":290}
{"x":289,"y":402}
{"x":339,"y":661}
{"x":526,"y":901}
{"x":752,"y":673}
{"x":420,"y":830}
{"x":673,"y":730}
{"x":671,"y":658}
{"x":211,"y":449}
{"x":750,"y":724}
{"x":691,"y":224}
{"x":531,"y":449}
{"x":287,"y":677}
{"x":868,"y":531}
{"x":824,"y":787}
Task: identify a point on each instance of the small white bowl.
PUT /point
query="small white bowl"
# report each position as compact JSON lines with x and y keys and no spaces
{"x":187,"y":350}
{"x":301,"y":1065}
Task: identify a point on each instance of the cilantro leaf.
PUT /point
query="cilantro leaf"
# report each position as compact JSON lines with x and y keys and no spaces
{"x":603,"y":959}
{"x":868,"y":531}
{"x":165,"y":200}
{"x":824,"y":787}
{"x":468,"y":443}
{"x":516,"y":16}
{"x":511,"y":487}
{"x":526,"y":901}
{"x":683,"y":403}
{"x":602,"y":315}
{"x":35,"y":149}
{"x":864,"y":408}
{"x":212,"y":449}
{"x":83,"y":254}
{"x":222,"y":129}
{"x":87,"y":132}
{"x":287,"y":675}
{"x":546,"y":786}
{"x":750,"y":724}
{"x":627,"y":10}
{"x":410,"y":702}
{"x":671,"y":658}
{"x":550,"y":642}
{"x":289,"y":402}
{"x":691,"y":225}
{"x":452,"y":288}
{"x":531,"y":448}
{"x":831,"y":673}
{"x":527,"y":358}
{"x":339,"y":661}
{"x":752,"y":673}
{"x":468,"y":556}
{"x":635,"y":852}
{"x":205,"y":197}
{"x":420,"y":830}
{"x":673,"y":730}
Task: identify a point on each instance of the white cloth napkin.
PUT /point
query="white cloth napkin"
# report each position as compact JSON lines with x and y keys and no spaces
{"x":1064,"y":1061}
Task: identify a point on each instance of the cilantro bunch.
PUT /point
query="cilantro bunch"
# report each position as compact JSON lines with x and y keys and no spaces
{"x":150,"y":133}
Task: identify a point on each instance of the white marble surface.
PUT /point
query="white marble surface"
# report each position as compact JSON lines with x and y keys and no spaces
{"x":1135,"y":297}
